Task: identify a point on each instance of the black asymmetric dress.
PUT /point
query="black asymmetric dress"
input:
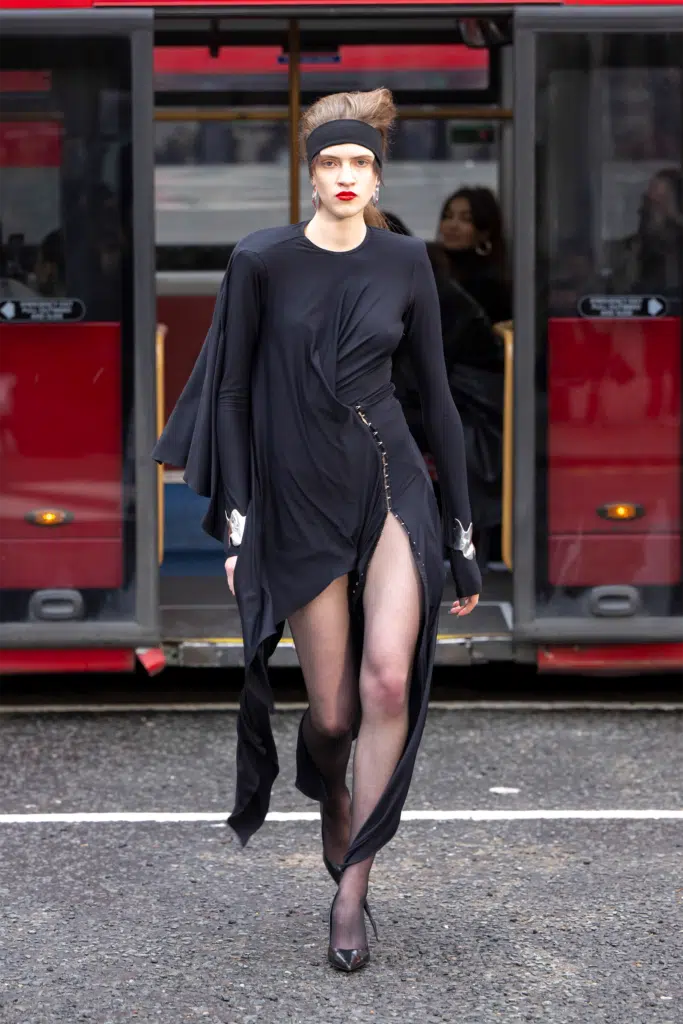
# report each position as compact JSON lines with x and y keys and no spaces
{"x":289,"y":416}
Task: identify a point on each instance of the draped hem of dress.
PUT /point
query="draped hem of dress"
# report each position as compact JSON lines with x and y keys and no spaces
{"x":407,"y":497}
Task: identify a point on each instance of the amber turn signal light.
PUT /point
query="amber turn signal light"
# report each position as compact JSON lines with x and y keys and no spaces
{"x":621,"y":511}
{"x":49,"y":517}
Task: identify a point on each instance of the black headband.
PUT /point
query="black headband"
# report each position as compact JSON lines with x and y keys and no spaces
{"x":335,"y":133}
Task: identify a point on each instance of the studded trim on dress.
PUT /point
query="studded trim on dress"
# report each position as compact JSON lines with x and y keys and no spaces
{"x":387,"y":496}
{"x":383,"y":452}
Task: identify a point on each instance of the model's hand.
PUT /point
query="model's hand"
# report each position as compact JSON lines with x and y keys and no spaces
{"x":230,"y":572}
{"x":464,"y":605}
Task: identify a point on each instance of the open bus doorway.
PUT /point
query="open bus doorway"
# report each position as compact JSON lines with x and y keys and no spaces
{"x":227,"y":164}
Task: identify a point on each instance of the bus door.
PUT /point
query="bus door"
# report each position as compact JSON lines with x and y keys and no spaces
{"x":599,"y":280}
{"x":78,"y":530}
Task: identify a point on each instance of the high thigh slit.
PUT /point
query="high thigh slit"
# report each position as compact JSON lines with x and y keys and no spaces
{"x":290,"y":418}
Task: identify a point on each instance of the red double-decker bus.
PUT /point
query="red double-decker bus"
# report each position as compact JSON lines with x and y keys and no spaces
{"x":139,"y":141}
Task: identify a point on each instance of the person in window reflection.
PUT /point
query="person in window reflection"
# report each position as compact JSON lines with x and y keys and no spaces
{"x":50,"y":266}
{"x":15,"y":281}
{"x":471,"y":232}
{"x":106,"y":262}
{"x":570,"y":275}
{"x":290,"y":425}
{"x":650,"y":261}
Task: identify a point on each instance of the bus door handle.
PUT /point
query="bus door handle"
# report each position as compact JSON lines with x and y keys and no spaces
{"x":57,"y":605}
{"x":614,"y":602}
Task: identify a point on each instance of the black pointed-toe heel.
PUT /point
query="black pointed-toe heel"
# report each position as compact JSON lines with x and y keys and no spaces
{"x":335,"y":871}
{"x":347,"y":960}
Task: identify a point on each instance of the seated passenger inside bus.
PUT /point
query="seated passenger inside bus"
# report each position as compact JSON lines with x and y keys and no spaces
{"x":471,"y":233}
{"x":474,"y":363}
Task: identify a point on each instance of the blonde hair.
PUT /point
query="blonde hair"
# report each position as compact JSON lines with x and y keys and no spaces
{"x":375,"y":107}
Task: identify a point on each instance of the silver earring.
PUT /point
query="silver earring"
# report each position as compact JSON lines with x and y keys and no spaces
{"x":315,"y":198}
{"x":375,"y":196}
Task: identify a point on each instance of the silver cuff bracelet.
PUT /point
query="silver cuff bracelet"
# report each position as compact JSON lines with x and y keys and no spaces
{"x":463,"y":540}
{"x":236,"y":521}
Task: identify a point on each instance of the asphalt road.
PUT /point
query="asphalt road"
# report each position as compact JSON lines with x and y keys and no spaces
{"x":480,"y":921}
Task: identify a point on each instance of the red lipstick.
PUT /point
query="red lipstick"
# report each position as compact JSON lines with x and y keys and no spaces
{"x":345,"y":196}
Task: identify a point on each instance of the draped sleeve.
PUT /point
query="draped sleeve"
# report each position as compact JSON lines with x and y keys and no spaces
{"x":244,"y":303}
{"x":208,"y":431}
{"x":442,"y":423}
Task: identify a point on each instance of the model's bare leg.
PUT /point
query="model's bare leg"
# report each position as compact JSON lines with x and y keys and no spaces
{"x":391,"y":604}
{"x":322,"y":637}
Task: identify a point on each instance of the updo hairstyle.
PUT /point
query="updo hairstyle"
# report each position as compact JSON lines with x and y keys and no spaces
{"x":375,"y":107}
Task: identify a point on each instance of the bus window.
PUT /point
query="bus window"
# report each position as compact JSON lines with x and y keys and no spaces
{"x":217,"y":179}
{"x":67,"y":483}
{"x":609,"y":289}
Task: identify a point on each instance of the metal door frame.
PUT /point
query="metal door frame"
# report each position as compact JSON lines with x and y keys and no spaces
{"x":529,"y":23}
{"x":138,"y":26}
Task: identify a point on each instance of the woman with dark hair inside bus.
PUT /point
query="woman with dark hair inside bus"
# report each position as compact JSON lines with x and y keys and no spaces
{"x":290,"y":425}
{"x":471,"y":232}
{"x":473,"y":355}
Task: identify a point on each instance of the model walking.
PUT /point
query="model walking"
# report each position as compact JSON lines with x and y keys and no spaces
{"x":290,"y":425}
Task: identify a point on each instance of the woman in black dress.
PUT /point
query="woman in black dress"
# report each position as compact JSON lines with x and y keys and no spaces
{"x":290,"y":425}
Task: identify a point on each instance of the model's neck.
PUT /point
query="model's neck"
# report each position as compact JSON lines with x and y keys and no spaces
{"x":330,"y":232}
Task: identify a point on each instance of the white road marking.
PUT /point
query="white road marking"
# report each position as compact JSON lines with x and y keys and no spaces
{"x":435,"y":705}
{"x":503,"y":789}
{"x":177,"y":817}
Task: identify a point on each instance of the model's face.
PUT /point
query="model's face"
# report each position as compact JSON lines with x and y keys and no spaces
{"x":457,"y":229}
{"x":346,"y":177}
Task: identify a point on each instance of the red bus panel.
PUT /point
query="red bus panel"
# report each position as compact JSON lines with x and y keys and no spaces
{"x":188,"y":318}
{"x":196,"y":60}
{"x":61,"y":451}
{"x":66,"y":660}
{"x":611,"y":660}
{"x":614,"y":437}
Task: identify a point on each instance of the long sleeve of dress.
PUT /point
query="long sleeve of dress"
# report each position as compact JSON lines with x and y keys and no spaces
{"x":442,"y":423}
{"x":243,"y":304}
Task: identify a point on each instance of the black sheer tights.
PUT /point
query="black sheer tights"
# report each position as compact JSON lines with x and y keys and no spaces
{"x":322,"y":635}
